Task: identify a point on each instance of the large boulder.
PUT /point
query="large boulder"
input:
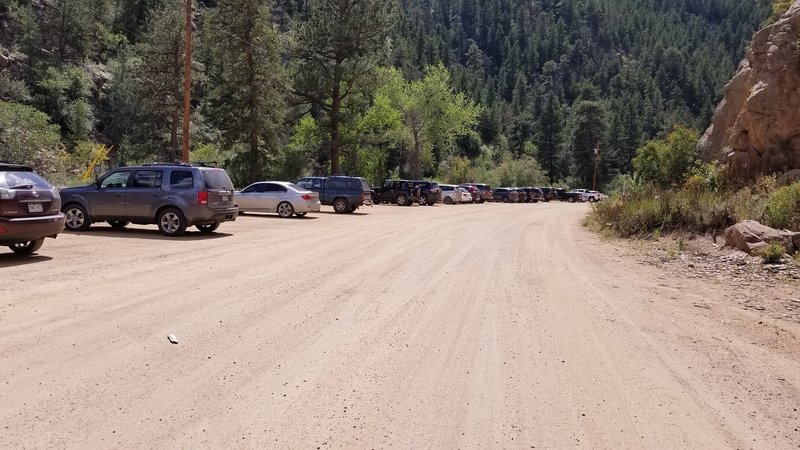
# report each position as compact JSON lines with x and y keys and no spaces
{"x":750,"y":236}
{"x":756,"y":127}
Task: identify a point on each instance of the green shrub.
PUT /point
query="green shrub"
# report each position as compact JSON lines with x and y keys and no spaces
{"x":779,"y":7}
{"x":773,"y":252}
{"x":25,"y":132}
{"x":783,"y":208}
{"x":645,"y":210}
{"x":666,"y":162}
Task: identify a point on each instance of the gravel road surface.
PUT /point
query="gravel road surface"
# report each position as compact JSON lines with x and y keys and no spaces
{"x":468,"y":326}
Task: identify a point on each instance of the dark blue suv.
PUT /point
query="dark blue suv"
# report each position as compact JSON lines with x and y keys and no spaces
{"x":345,"y":194}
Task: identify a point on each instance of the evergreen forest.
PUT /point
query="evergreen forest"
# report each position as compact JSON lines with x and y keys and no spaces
{"x":509,"y":92}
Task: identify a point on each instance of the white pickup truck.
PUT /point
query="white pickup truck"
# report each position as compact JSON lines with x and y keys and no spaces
{"x":589,"y":196}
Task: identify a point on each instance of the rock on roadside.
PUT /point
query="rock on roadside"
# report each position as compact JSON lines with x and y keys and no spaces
{"x":750,"y":236}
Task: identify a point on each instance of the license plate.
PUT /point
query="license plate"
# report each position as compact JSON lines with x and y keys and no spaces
{"x":225,"y":198}
{"x":35,"y":207}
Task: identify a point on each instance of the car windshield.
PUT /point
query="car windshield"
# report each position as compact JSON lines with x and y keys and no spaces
{"x":22,"y":180}
{"x":217,"y":179}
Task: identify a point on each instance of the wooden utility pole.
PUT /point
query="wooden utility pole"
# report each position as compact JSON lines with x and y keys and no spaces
{"x":187,"y":81}
{"x":596,"y":159}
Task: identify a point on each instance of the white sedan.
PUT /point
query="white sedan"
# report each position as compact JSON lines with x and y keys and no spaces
{"x":285,"y":199}
{"x":466,"y":197}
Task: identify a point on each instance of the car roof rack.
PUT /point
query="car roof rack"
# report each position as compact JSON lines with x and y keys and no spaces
{"x":205,"y":163}
{"x":15,"y":165}
{"x":181,"y":164}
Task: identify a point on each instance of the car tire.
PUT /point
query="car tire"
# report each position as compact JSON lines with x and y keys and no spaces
{"x":302,"y":214}
{"x":505,"y":199}
{"x":118,"y":223}
{"x":423,"y":200}
{"x":26,"y":248}
{"x":341,"y":206}
{"x":401,"y":200}
{"x":448,"y":201}
{"x":571,"y":200}
{"x":76,"y":218}
{"x":285,"y":210}
{"x":208,"y":227}
{"x":171,"y":222}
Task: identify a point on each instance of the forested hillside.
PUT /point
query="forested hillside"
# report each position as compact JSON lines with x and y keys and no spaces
{"x":507,"y":91}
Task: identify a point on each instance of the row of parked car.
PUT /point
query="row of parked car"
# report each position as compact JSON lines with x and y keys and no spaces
{"x":178,"y":196}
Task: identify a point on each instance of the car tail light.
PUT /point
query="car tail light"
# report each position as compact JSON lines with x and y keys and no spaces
{"x":2,"y":230}
{"x":306,"y":197}
{"x":202,"y":198}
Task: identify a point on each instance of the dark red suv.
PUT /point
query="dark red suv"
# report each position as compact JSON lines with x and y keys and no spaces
{"x":30,"y":209}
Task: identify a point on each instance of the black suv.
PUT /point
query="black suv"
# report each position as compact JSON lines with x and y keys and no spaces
{"x":427,"y":192}
{"x":401,"y":192}
{"x":345,"y":194}
{"x":173,"y":196}
{"x":29,"y":209}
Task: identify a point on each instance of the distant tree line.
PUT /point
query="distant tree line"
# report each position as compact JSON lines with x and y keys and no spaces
{"x":508,"y":91}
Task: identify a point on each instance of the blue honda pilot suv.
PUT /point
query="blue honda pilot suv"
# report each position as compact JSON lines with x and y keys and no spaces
{"x":172,"y":196}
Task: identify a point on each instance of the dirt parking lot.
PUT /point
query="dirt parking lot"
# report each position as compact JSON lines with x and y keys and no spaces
{"x":470,"y":326}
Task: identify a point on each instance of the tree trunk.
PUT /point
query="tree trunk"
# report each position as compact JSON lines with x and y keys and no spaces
{"x":416,"y":157}
{"x":177,"y":103}
{"x":173,"y":134}
{"x":336,"y":105}
{"x":253,"y":106}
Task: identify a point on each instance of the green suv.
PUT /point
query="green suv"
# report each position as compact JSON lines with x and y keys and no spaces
{"x":172,"y":196}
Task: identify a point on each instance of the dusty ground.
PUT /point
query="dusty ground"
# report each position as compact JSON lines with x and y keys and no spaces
{"x":475,"y":326}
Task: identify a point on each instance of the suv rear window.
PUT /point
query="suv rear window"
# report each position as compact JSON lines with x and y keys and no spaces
{"x":217,"y":179}
{"x":13,"y":179}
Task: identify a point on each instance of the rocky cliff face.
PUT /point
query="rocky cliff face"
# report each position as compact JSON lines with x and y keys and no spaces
{"x":756,"y":128}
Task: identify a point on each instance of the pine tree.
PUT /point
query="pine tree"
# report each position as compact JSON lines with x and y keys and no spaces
{"x":549,"y":137}
{"x":588,"y":135}
{"x":338,"y":51}
{"x":246,"y":82}
{"x":158,"y":72}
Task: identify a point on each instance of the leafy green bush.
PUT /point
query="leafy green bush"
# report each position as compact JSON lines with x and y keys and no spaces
{"x":637,"y":214}
{"x":644,"y":210}
{"x":666,"y":162}
{"x":25,"y":132}
{"x":779,"y":7}
{"x":783,"y":208}
{"x":13,"y":90}
{"x":773,"y":252}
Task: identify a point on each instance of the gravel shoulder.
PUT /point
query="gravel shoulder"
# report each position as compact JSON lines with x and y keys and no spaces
{"x":470,"y":326}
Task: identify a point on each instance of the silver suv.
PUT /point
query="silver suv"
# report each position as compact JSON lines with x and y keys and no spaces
{"x":173,"y":196}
